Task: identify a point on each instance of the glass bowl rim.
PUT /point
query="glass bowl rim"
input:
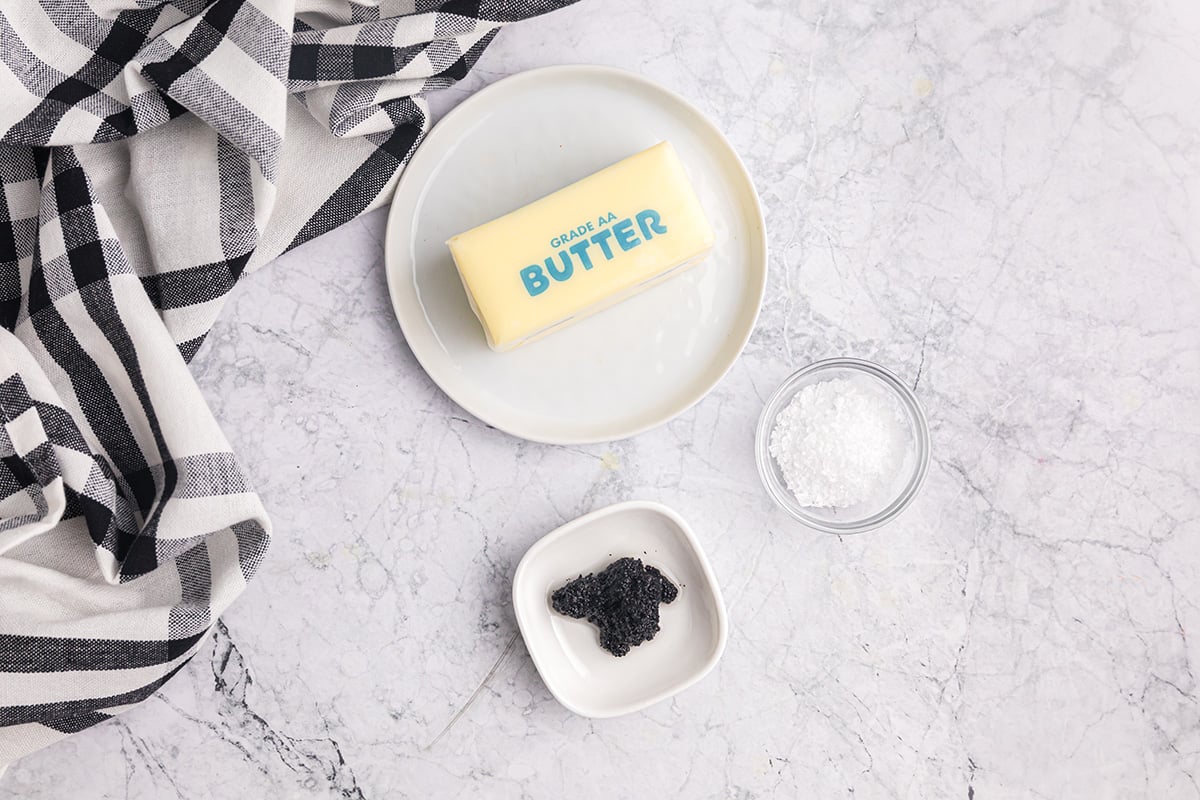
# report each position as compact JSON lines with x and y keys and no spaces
{"x":780,"y":494}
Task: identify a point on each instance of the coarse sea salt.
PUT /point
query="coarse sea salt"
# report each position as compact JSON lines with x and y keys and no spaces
{"x":839,"y":443}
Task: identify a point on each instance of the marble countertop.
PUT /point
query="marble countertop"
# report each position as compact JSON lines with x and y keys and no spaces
{"x":1002,"y":205}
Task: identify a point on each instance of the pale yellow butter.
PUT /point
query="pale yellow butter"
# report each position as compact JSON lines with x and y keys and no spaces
{"x":582,"y":248}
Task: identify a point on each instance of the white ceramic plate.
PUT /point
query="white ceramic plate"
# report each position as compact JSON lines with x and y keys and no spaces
{"x":693,"y":628}
{"x":619,"y":372}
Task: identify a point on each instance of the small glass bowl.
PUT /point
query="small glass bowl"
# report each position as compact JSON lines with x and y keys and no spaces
{"x":875,"y":511}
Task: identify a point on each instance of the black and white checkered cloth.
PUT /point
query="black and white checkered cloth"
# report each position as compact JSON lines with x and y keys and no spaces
{"x":150,"y":154}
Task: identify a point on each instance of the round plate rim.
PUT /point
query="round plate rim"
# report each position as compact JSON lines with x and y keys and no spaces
{"x":466,"y":106}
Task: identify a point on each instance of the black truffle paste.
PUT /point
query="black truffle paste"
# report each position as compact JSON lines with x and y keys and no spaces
{"x":622,"y":601}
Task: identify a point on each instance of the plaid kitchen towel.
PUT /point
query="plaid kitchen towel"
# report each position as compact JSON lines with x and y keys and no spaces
{"x":151,"y":153}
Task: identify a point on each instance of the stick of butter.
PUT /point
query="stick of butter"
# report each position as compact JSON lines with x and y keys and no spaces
{"x":582,"y":248}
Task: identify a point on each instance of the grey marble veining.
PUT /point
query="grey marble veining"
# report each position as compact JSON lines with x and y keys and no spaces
{"x":999,"y":201}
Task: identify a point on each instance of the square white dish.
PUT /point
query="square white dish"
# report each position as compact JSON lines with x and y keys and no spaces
{"x":693,"y":629}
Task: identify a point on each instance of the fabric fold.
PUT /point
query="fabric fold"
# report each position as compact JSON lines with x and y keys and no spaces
{"x":150,"y":155}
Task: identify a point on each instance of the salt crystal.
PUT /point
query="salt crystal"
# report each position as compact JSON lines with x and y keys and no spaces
{"x":839,"y":443}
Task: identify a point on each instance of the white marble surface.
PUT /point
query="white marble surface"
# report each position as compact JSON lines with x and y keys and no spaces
{"x":1003,"y":205}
